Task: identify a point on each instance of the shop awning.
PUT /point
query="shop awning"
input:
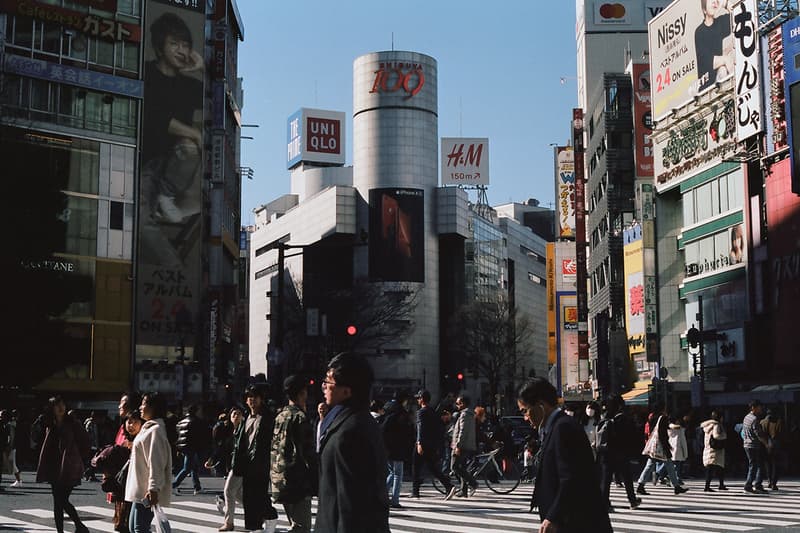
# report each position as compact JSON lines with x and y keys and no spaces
{"x":636,"y":397}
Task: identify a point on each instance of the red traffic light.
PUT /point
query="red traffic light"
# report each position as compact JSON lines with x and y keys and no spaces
{"x":311,"y":381}
{"x":352,"y":330}
{"x":460,"y":376}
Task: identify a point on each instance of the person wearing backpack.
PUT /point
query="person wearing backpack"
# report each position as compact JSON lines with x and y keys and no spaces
{"x":614,"y":435}
{"x":773,"y":427}
{"x":714,"y":441}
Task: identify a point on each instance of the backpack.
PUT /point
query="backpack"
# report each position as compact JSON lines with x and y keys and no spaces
{"x":604,"y":438}
{"x":716,"y":444}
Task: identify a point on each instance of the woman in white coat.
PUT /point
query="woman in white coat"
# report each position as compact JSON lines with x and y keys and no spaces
{"x":150,"y":468}
{"x":714,"y":450}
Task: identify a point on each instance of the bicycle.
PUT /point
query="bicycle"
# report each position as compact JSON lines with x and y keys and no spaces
{"x":500,"y":474}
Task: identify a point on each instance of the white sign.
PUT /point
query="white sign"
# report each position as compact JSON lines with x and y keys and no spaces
{"x":565,"y":191}
{"x":315,"y":136}
{"x":690,"y":50}
{"x":465,"y":161}
{"x":607,"y":16}
{"x":696,"y":143}
{"x":749,"y":113}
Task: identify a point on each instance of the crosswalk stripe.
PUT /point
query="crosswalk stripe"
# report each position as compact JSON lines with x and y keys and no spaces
{"x":180,"y":513}
{"x":7,"y":521}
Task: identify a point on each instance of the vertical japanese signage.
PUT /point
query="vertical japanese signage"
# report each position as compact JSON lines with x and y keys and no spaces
{"x":170,"y":199}
{"x":580,"y":234}
{"x":634,"y":289}
{"x":551,"y":303}
{"x":642,"y":120}
{"x":465,"y":161}
{"x":791,"y":87}
{"x":565,"y":192}
{"x":749,"y":112}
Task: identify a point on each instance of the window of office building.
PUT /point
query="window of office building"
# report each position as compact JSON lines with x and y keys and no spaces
{"x":713,"y":198}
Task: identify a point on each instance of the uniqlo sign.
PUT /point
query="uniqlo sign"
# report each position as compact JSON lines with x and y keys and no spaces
{"x":323,"y":135}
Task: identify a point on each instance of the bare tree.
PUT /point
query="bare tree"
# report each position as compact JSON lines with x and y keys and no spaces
{"x":493,"y":337}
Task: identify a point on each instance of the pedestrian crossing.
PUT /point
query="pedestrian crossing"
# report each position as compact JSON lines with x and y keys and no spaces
{"x":661,"y":512}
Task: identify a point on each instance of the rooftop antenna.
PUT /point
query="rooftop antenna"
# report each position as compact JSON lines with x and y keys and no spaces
{"x":392,"y":41}
{"x":460,"y":118}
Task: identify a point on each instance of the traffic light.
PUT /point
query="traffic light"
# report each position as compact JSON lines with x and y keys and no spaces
{"x":311,"y":382}
{"x":460,"y":380}
{"x":351,"y":330}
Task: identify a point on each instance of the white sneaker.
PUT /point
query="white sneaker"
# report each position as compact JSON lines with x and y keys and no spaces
{"x":220,"y":505}
{"x":270,"y":525}
{"x":16,"y":483}
{"x":167,"y":209}
{"x":450,"y":494}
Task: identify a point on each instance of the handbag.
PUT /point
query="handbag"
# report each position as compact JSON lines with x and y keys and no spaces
{"x":161,"y":521}
{"x":716,"y":444}
{"x":653,"y":447}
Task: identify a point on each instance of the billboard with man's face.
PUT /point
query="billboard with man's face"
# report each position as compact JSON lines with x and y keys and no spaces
{"x":396,"y":235}
{"x":691,"y":48}
{"x":170,"y":226}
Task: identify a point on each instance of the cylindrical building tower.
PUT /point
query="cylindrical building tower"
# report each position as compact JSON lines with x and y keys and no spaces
{"x":395,"y":157}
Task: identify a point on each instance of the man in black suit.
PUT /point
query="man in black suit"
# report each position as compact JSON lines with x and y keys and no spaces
{"x":430,"y":436}
{"x":352,"y":485}
{"x":567,"y":490}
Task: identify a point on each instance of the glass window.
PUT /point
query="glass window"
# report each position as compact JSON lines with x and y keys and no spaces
{"x":102,"y":52}
{"x":23,"y":31}
{"x":723,"y":194}
{"x":51,"y":38}
{"x":714,"y":198}
{"x":688,"y":208}
{"x":691,"y":253}
{"x":722,"y":246}
{"x":735,"y":192}
{"x":40,"y":95}
{"x":116,"y":215}
{"x":129,"y":7}
{"x":84,"y":167}
{"x":81,"y":226}
{"x":703,"y":202}
{"x":78,"y":45}
{"x":705,"y":249}
{"x":98,"y":111}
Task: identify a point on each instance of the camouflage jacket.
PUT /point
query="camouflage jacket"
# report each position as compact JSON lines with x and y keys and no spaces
{"x":293,"y":468}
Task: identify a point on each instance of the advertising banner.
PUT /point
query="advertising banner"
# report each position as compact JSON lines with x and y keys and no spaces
{"x":396,"y":235}
{"x":569,"y":362}
{"x":465,"y":161}
{"x":80,"y":77}
{"x":642,"y":120}
{"x":695,"y":144}
{"x":691,"y":48}
{"x":749,"y":111}
{"x":580,"y":234}
{"x":89,"y":24}
{"x":569,"y":270}
{"x":618,"y":15}
{"x":170,"y":225}
{"x":791,"y":87}
{"x":315,"y":136}
{"x":551,"y":304}
{"x":634,"y":289}
{"x":565,"y":191}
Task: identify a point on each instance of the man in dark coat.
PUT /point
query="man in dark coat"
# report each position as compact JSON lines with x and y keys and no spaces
{"x":398,"y":437}
{"x":567,"y":490}
{"x":190,"y":443}
{"x":352,"y":486}
{"x":251,"y":460}
{"x":430,"y":435}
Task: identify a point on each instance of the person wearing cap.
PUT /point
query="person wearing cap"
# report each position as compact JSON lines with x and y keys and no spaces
{"x":430,"y":434}
{"x":251,"y":454}
{"x":293,"y":469}
{"x":352,"y":484}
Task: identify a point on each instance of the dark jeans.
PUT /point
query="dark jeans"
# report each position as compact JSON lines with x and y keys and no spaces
{"x":773,"y":464}
{"x":256,"y":502}
{"x":433,"y":462}
{"x":755,"y":467}
{"x":460,"y":468}
{"x":140,"y":519}
{"x":61,"y":505}
{"x":611,"y":465}
{"x":710,"y":471}
{"x":191,"y":465}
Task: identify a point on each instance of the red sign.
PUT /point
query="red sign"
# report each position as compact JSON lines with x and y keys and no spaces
{"x":395,"y":76}
{"x":569,"y":267}
{"x":84,"y":23}
{"x":323,"y":135}
{"x":642,"y":120}
{"x":637,"y":300}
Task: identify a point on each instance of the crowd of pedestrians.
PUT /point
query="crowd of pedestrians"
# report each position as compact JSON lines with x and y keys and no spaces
{"x":352,"y":454}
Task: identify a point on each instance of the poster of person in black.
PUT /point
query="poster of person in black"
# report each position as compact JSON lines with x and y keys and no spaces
{"x":172,"y":142}
{"x":713,"y":44}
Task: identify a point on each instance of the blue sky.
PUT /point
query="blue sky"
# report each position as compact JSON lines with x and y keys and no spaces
{"x":500,"y":70}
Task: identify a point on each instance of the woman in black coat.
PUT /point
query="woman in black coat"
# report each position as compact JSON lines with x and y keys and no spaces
{"x":61,"y":463}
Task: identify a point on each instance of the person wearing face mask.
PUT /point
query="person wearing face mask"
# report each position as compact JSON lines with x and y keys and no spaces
{"x":567,"y":491}
{"x":590,"y":421}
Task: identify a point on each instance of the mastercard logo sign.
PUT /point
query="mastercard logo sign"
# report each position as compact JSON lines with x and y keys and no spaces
{"x":612,"y":11}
